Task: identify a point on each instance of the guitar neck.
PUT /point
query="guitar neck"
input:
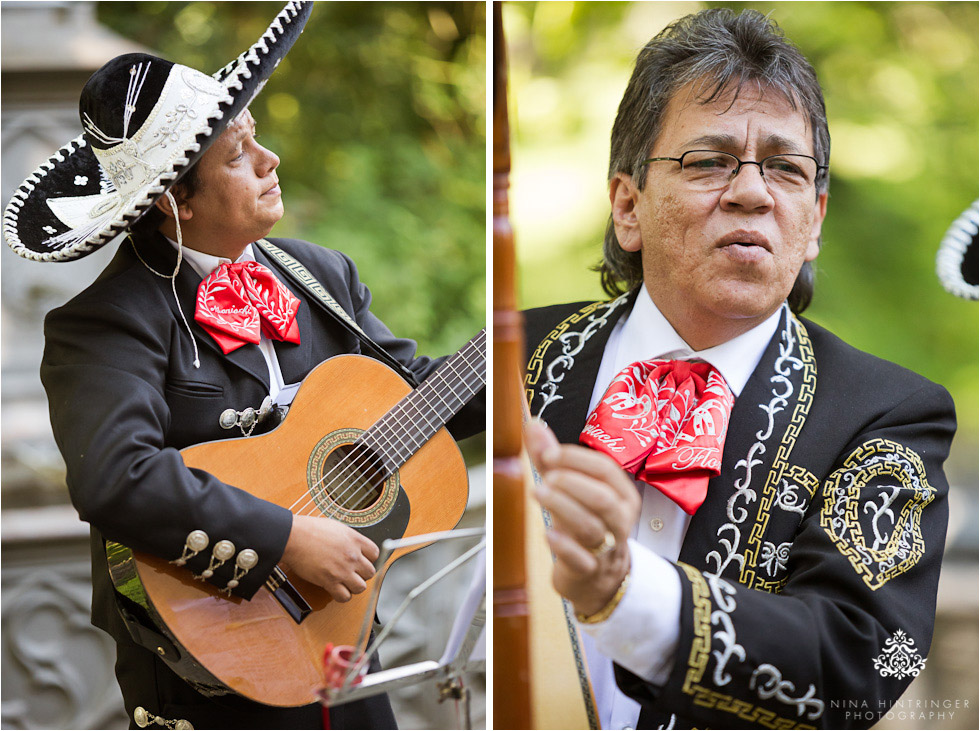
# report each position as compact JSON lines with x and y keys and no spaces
{"x":413,"y":420}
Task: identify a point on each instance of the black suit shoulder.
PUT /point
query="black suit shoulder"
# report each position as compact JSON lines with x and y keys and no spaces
{"x":122,"y":276}
{"x":852,"y":379}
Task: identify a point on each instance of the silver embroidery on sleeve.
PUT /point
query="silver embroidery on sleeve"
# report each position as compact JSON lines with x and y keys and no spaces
{"x":773,"y":685}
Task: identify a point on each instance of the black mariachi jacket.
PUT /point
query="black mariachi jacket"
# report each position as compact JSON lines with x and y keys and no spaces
{"x":124,"y":397}
{"x":809,"y":574}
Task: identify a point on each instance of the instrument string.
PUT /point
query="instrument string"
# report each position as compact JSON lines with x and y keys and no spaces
{"x":357,"y":463}
{"x":392,"y":451}
{"x":385,"y":449}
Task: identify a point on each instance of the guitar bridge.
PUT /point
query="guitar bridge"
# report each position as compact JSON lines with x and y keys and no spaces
{"x":288,"y":595}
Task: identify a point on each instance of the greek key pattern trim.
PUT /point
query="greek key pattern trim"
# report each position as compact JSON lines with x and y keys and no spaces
{"x":791,"y":475}
{"x":839,"y":515}
{"x":311,"y":283}
{"x":697,"y":661}
{"x":707,"y":698}
{"x":780,"y":466}
{"x":563,"y":332}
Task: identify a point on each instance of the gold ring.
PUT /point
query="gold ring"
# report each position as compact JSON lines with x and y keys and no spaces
{"x":608,"y":544}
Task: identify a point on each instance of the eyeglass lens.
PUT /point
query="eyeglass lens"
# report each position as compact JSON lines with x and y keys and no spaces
{"x":710,"y":168}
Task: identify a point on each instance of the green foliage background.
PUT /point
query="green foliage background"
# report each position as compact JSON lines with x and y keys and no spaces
{"x":900,"y":81}
{"x":378,"y":116}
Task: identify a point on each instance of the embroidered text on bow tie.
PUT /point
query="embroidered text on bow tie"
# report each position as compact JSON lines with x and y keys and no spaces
{"x":239,"y":302}
{"x":665,"y":423}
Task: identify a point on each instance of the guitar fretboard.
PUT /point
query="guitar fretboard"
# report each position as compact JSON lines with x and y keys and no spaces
{"x":413,"y":420}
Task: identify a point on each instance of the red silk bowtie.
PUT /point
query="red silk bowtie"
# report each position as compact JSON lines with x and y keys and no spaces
{"x":239,"y":302}
{"x":665,"y":423}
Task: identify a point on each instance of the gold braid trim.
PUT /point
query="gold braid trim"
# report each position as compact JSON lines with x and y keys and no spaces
{"x":780,"y":465}
{"x":536,"y":364}
{"x":839,"y":515}
{"x":697,"y":661}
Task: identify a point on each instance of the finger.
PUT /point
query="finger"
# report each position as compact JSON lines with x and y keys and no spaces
{"x":570,"y":555}
{"x":355,"y":584}
{"x":542,"y":445}
{"x":596,"y":465}
{"x":340,"y":593}
{"x":364,"y":569}
{"x":596,"y":499}
{"x":369,"y":548}
{"x":571,"y":517}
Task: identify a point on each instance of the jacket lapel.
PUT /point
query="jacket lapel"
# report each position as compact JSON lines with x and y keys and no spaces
{"x":727,"y":533}
{"x":563,"y":366}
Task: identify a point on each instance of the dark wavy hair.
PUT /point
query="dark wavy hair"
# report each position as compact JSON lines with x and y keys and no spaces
{"x":728,"y":52}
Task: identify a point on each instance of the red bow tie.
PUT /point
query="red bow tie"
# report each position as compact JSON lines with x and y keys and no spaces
{"x":239,"y":302}
{"x":665,"y":423}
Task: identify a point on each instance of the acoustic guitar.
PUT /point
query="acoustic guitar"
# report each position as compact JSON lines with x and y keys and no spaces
{"x":357,"y":445}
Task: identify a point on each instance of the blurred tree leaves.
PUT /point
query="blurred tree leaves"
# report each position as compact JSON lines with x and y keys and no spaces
{"x":900,"y":81}
{"x":378,"y":115}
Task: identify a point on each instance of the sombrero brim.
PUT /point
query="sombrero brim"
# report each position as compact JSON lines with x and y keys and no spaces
{"x":32,"y":229}
{"x":956,"y":261}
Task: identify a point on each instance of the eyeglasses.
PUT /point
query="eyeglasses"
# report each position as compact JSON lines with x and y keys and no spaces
{"x":713,"y":170}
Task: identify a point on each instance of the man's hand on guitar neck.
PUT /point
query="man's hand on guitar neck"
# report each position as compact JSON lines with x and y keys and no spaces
{"x":330,"y":554}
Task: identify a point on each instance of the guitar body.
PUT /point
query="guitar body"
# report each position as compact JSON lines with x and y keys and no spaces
{"x":254,"y":647}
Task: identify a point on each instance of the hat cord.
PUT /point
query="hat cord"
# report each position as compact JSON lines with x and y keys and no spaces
{"x":132,"y":96}
{"x":173,"y":277}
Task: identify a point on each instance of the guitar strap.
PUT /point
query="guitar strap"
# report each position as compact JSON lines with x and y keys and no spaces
{"x":301,"y":277}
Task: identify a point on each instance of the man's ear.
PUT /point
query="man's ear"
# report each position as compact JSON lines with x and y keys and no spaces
{"x":183,"y":208}
{"x":819,"y":211}
{"x":622,"y":197}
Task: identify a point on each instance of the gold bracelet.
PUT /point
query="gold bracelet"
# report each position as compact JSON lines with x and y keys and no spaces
{"x":603,"y":614}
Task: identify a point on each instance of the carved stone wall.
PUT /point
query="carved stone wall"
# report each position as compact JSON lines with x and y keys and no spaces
{"x":57,"y":667}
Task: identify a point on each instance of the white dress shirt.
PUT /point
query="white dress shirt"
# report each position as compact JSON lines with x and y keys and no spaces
{"x":204,"y":264}
{"x":642,"y":633}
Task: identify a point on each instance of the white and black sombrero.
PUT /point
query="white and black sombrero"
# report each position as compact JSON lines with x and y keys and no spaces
{"x":956,"y":261}
{"x":146,"y":121}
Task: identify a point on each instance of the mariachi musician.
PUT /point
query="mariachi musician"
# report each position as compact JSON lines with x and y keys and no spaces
{"x":192,"y":334}
{"x":748,"y":515}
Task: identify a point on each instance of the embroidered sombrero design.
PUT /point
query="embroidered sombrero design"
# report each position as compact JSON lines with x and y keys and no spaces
{"x":146,"y":121}
{"x":956,"y":261}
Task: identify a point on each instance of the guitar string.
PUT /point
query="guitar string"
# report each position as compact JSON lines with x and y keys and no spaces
{"x":362,"y":473}
{"x":391,"y":450}
{"x":346,"y":466}
{"x":410,"y":401}
{"x":388,"y":418}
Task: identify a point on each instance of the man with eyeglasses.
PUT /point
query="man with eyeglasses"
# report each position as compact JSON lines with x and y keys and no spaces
{"x":752,"y":533}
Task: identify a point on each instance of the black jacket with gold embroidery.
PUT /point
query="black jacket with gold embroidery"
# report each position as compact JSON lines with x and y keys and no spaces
{"x":810,"y":572}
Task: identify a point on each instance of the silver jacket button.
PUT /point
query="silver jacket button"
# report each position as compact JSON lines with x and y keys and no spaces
{"x":247,"y":559}
{"x":197,"y":540}
{"x":223,"y":550}
{"x":228,"y":419}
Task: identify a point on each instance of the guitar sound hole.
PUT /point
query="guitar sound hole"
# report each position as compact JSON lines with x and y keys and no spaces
{"x":352,"y":477}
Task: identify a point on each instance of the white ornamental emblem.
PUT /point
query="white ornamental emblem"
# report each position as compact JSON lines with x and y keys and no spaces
{"x":899,"y":658}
